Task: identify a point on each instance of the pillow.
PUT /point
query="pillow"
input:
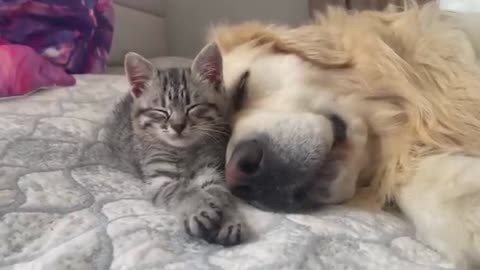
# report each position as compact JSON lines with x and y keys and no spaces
{"x":22,"y":70}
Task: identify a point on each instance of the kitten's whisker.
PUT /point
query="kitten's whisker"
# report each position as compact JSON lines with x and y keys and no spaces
{"x":206,"y":134}
{"x":213,"y":131}
{"x":209,"y":133}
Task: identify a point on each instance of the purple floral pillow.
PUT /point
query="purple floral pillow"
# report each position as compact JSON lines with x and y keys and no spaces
{"x":22,"y":70}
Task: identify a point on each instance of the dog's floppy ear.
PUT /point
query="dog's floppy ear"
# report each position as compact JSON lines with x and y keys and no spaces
{"x":314,"y":43}
{"x":139,"y":72}
{"x":207,"y":65}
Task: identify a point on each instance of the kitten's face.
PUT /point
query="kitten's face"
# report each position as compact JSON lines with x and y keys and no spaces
{"x":177,"y":106}
{"x":178,"y":110}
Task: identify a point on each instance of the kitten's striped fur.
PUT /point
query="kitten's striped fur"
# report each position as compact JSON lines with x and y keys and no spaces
{"x":183,"y":163}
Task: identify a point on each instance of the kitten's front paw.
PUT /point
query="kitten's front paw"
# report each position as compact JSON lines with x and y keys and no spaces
{"x":204,"y":222}
{"x":216,"y":225}
{"x":232,"y":231}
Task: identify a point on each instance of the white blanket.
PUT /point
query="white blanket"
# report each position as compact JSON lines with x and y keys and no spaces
{"x":65,"y":205}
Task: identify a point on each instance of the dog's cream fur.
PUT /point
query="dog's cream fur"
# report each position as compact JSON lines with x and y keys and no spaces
{"x":409,"y":87}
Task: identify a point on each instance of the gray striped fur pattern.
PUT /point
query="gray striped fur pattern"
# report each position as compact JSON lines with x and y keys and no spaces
{"x":172,"y":129}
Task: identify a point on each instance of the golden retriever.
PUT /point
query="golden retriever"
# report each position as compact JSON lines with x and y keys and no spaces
{"x":366,"y":108}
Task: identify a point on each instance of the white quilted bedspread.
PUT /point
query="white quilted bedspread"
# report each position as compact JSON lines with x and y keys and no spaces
{"x":65,"y":205}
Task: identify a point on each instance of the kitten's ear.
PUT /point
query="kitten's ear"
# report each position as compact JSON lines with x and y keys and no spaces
{"x":207,"y":65}
{"x":139,"y":71}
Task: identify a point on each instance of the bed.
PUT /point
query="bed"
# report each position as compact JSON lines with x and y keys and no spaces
{"x":66,"y":204}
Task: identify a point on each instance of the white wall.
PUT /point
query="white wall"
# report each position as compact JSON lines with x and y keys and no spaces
{"x":460,"y":5}
{"x":468,"y":14}
{"x":188,"y":20}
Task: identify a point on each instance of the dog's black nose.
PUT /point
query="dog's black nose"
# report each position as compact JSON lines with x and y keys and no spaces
{"x":248,"y":157}
{"x":243,"y":166}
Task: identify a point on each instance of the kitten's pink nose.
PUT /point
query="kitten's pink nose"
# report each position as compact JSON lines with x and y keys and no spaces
{"x":178,"y":127}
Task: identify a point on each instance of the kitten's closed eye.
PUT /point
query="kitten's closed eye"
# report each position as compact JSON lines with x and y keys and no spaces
{"x":157,"y":114}
{"x":203,"y":111}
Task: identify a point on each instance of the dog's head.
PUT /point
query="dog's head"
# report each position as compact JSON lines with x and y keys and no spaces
{"x":295,"y":142}
{"x":321,"y":109}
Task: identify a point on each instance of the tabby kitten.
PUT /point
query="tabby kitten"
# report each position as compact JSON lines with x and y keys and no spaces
{"x":172,"y":128}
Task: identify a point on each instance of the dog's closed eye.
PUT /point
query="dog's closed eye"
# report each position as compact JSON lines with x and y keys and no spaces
{"x":240,"y":92}
{"x":339,"y":128}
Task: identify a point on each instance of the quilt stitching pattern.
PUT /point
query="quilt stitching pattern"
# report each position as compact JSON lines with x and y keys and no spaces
{"x":65,"y":204}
